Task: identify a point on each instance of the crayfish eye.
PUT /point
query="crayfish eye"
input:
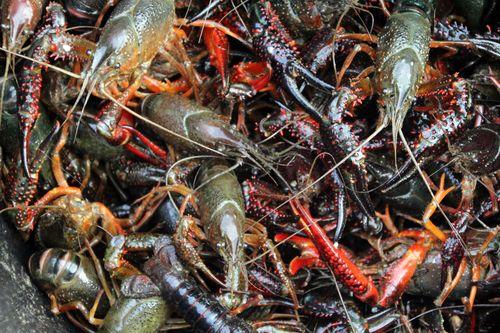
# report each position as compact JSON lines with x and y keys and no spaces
{"x":117,"y":66}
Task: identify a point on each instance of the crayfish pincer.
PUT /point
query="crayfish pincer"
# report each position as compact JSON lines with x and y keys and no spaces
{"x":19,"y":20}
{"x":478,"y":150}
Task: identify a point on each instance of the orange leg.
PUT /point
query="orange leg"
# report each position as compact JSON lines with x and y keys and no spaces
{"x":183,"y":64}
{"x":144,"y":212}
{"x":384,"y":8}
{"x":451,"y":284}
{"x":107,"y":6}
{"x":57,"y":192}
{"x":251,"y":302}
{"x":187,"y":251}
{"x":240,"y":124}
{"x":77,"y":305}
{"x":156,"y":86}
{"x":100,"y":275}
{"x":109,"y":222}
{"x":387,"y":221}
{"x":447,"y":45}
{"x":468,"y":185}
{"x":431,"y":208}
{"x":88,"y":168}
{"x":398,"y":276}
{"x":476,"y":269}
{"x":259,"y":238}
{"x":56,"y":157}
{"x":348,"y":61}
{"x":442,"y":85}
{"x":368,"y":38}
{"x":364,"y":74}
{"x":488,"y":183}
{"x":113,"y":89}
{"x":279,"y":265}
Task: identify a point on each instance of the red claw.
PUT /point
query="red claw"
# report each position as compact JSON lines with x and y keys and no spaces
{"x":299,"y":263}
{"x":309,"y":255}
{"x":398,"y":276}
{"x":256,"y":74}
{"x":319,"y":246}
{"x":124,"y":131}
{"x":336,"y":258}
{"x":218,"y":47}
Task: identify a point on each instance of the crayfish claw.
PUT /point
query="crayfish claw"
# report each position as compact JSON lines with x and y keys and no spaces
{"x":363,"y":201}
{"x":339,"y":230}
{"x":291,"y":86}
{"x":307,"y":75}
{"x":489,"y":46}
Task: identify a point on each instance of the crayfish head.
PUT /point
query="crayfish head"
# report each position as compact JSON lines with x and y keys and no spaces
{"x":398,"y":81}
{"x":19,"y":18}
{"x":116,"y":53}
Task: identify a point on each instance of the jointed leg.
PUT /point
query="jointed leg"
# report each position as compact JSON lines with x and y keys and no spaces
{"x":77,"y":305}
{"x":187,"y":251}
{"x":348,"y":61}
{"x":431,"y":208}
{"x":56,"y":157}
{"x":476,"y":269}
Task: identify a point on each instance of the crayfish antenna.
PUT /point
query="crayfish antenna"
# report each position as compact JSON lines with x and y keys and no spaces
{"x":85,"y":84}
{"x":8,"y":61}
{"x":294,"y":91}
{"x":207,"y":12}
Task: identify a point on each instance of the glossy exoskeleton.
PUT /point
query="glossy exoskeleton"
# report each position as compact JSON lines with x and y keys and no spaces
{"x":478,"y":150}
{"x":198,"y":308}
{"x":139,"y":309}
{"x":84,"y":10}
{"x":69,"y":279}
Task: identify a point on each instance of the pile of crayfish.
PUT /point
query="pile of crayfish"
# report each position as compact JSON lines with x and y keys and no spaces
{"x":255,"y":166}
